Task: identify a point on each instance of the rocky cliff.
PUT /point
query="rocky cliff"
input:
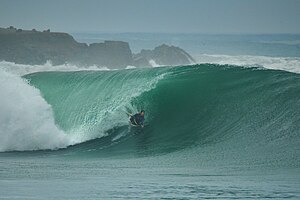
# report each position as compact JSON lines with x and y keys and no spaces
{"x":163,"y":55}
{"x":35,"y":47}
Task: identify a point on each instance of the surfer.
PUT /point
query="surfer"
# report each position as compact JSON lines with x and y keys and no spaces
{"x":138,"y":119}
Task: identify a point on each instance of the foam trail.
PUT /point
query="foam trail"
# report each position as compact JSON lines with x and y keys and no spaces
{"x":291,"y":64}
{"x":26,"y":120}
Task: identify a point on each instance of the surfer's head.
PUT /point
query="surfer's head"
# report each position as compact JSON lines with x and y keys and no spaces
{"x":142,"y":112}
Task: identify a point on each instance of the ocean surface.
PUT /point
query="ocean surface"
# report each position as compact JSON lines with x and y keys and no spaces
{"x":226,"y":127}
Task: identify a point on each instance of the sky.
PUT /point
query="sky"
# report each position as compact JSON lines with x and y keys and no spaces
{"x":162,"y":16}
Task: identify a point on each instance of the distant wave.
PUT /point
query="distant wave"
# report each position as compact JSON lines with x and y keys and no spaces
{"x":22,"y":69}
{"x":290,"y":64}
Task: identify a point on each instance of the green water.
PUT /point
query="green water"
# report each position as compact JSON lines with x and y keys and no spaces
{"x":186,"y":107}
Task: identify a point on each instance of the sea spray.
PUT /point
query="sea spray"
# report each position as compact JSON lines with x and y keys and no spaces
{"x":26,"y":119}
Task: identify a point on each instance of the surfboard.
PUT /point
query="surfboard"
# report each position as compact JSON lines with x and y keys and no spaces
{"x":133,"y":125}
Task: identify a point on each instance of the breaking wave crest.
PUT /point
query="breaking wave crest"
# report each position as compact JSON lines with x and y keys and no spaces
{"x":26,"y":119}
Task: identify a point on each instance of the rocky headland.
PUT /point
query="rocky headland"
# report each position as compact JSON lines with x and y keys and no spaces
{"x":37,"y":47}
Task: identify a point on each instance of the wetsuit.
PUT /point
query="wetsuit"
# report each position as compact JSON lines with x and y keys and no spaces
{"x":137,"y":119}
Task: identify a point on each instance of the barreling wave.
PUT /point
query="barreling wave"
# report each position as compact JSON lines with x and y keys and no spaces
{"x":213,"y":111}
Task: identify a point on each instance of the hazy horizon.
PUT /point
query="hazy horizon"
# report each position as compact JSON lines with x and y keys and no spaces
{"x":165,"y":16}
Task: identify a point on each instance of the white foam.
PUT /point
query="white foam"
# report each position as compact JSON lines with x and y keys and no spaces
{"x":22,"y":69}
{"x":26,"y":119}
{"x":154,"y":64}
{"x":291,"y":64}
{"x":130,"y":67}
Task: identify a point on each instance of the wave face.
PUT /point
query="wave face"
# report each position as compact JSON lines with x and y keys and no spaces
{"x":213,"y":112}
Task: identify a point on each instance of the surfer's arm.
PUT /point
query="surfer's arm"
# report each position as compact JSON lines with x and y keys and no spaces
{"x":142,"y":123}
